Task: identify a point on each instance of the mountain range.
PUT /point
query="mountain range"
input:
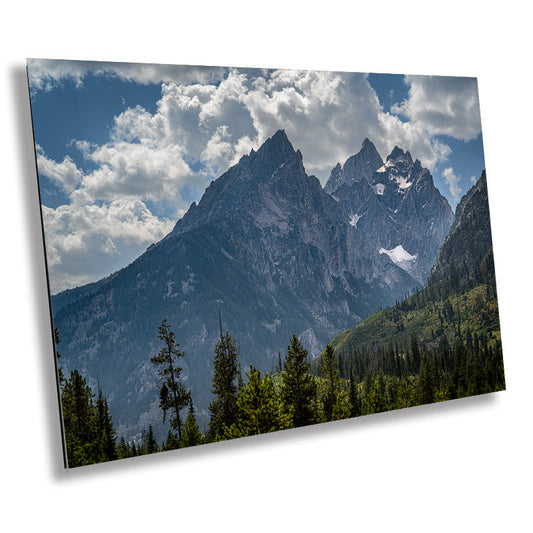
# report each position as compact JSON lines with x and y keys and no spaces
{"x":460,"y":296}
{"x":272,"y":250}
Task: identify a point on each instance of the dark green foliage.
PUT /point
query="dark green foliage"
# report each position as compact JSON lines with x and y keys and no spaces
{"x":171,"y":442}
{"x":191,"y":432}
{"x":226,"y":383}
{"x":79,"y":419}
{"x":89,"y":433}
{"x":355,"y":402}
{"x":123,"y":449}
{"x":330,"y":372}
{"x":259,"y":409}
{"x":426,"y":385}
{"x":415,"y":353}
{"x":299,"y":388}
{"x":60,"y":375}
{"x":172,"y":394}
{"x":473,"y":367}
{"x":104,"y":429}
{"x":150,"y":444}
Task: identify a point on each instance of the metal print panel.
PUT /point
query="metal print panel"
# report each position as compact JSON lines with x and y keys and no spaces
{"x":236,"y":251}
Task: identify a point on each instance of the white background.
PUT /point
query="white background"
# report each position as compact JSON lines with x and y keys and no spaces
{"x":463,"y":466}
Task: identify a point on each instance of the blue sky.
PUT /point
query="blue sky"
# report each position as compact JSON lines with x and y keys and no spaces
{"x":123,"y":149}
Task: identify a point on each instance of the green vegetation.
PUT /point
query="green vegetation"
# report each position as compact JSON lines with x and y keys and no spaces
{"x":441,"y":343}
{"x":259,"y":409}
{"x":298,"y":390}
{"x":89,"y":433}
{"x":172,"y":394}
{"x":225,"y":387}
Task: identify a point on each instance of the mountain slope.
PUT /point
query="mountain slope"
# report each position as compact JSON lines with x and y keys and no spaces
{"x":265,"y":244}
{"x":397,"y":209}
{"x":460,"y":296}
{"x":471,"y":225}
{"x":360,"y":166}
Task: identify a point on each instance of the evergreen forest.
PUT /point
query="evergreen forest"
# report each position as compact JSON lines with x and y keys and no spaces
{"x":441,"y":343}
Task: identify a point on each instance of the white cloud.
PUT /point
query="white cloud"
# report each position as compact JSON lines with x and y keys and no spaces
{"x":138,"y":171}
{"x":453,"y":183}
{"x":65,"y":174}
{"x":207,"y":121}
{"x":84,"y":240}
{"x":219,"y":151}
{"x":45,"y":74}
{"x":443,"y":106}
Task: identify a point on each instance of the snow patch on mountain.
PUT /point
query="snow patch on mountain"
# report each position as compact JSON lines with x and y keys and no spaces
{"x":400,"y":256}
{"x":384,"y":168}
{"x":402,"y":181}
{"x":354,"y":219}
{"x":378,"y":188}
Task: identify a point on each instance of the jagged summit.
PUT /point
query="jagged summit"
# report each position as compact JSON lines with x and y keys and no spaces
{"x":358,"y":167}
{"x":276,"y":149}
{"x":398,"y":154}
{"x":252,"y":170}
{"x":397,"y":208}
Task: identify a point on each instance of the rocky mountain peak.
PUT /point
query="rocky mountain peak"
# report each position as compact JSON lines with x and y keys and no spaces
{"x":358,"y":167}
{"x":276,"y":150}
{"x":398,"y":155}
{"x":224,"y":193}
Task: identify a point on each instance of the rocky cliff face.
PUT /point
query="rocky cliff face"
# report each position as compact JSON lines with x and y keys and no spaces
{"x":398,"y":211}
{"x":471,"y":225}
{"x":269,"y":247}
{"x":360,"y":166}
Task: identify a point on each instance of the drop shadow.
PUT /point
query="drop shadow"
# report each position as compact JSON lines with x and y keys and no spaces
{"x":229,"y":450}
{"x":39,"y":314}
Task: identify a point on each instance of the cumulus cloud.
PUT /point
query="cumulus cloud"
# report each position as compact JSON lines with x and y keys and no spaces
{"x":204,"y":121}
{"x":453,"y":183}
{"x":83,"y":240}
{"x":65,"y":174}
{"x":46,"y":74}
{"x":138,"y":170}
{"x":443,"y":106}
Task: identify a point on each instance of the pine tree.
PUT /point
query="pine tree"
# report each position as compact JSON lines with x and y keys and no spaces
{"x":172,"y":394}
{"x":405,"y":397}
{"x":355,"y":402}
{"x":150,"y":444}
{"x":105,"y":433}
{"x":79,"y":420}
{"x":376,"y":401}
{"x":123,"y":449}
{"x":425,"y":391}
{"x":260,"y":410}
{"x":299,"y":387}
{"x":226,"y":383}
{"x":341,"y":407}
{"x":415,"y":351}
{"x":60,"y":375}
{"x":330,"y":371}
{"x":192,"y":435}
{"x":171,"y":442}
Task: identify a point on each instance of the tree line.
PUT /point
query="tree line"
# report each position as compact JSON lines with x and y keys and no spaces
{"x":340,"y":386}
